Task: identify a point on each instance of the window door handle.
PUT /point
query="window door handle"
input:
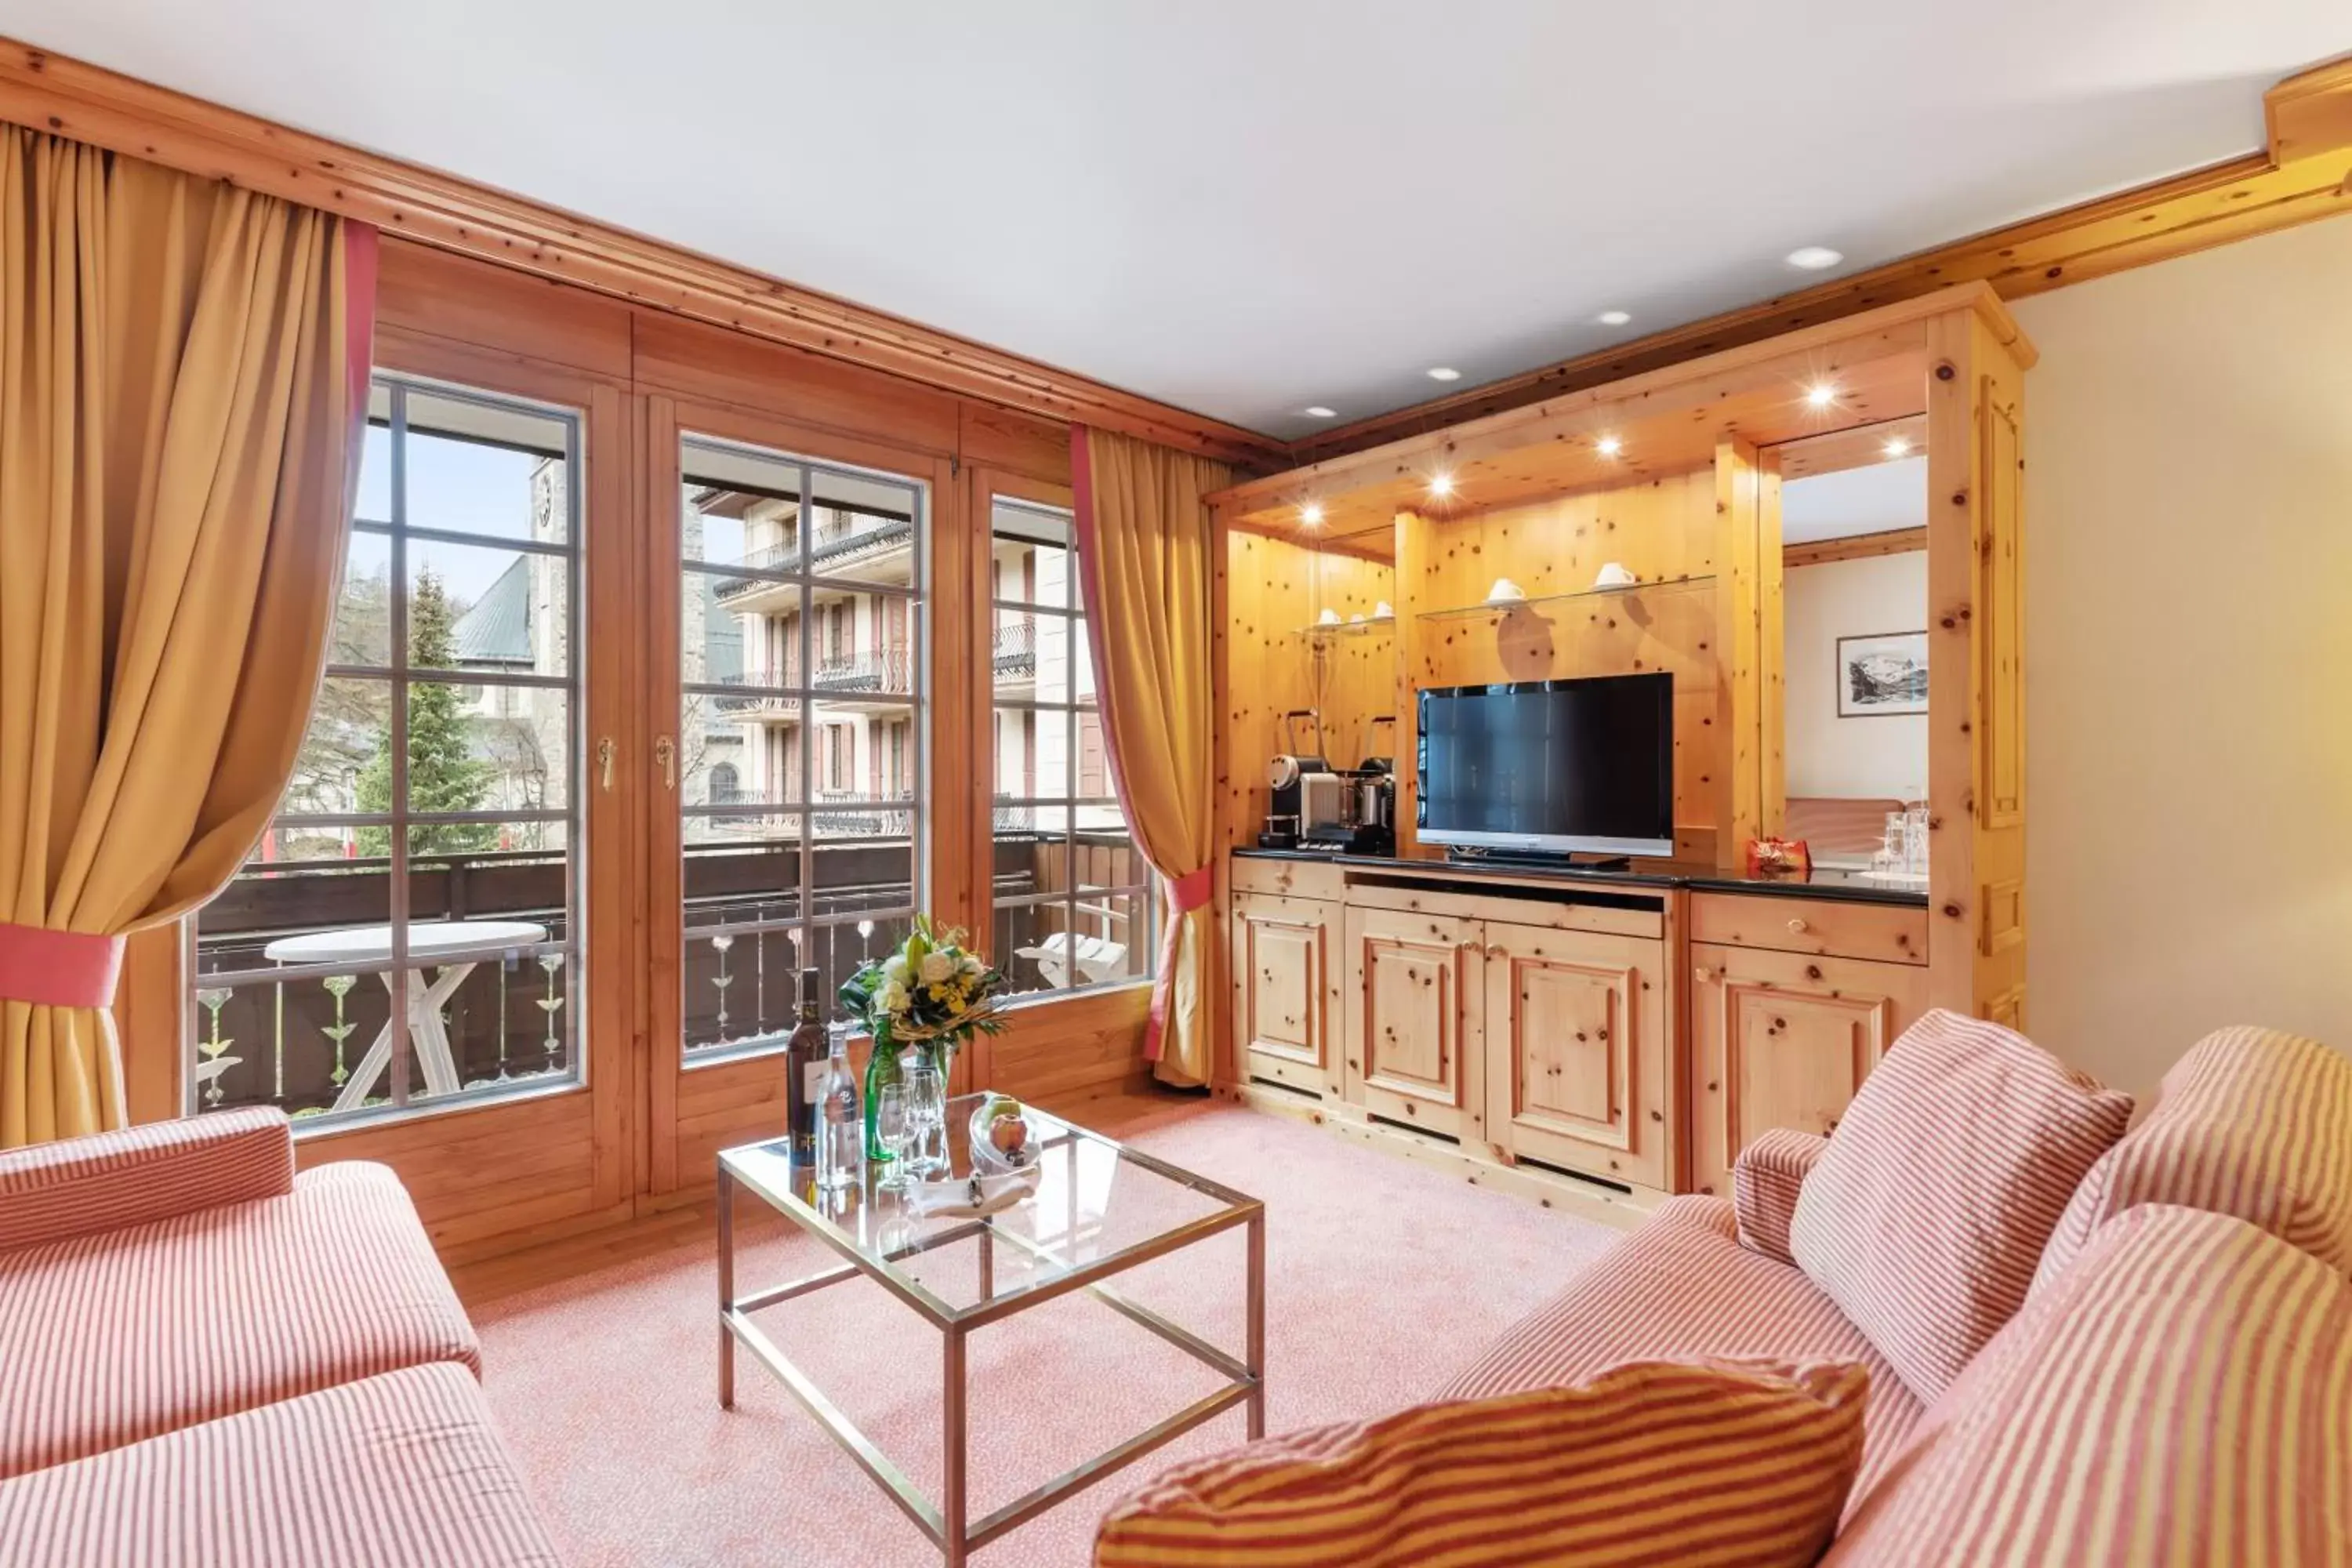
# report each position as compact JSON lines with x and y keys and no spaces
{"x":605,"y":761}
{"x":666,"y":753}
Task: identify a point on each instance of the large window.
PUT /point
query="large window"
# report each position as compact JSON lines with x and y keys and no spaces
{"x":408,"y":929}
{"x":1072,"y":896}
{"x":800,"y":739}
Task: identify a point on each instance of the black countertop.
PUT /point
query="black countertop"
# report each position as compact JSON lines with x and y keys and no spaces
{"x":1845,"y":887}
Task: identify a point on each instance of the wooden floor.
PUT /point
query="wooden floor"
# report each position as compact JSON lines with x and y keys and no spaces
{"x":675,"y":1225}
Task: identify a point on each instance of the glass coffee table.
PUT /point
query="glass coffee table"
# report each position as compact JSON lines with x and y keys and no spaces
{"x":1100,"y":1209}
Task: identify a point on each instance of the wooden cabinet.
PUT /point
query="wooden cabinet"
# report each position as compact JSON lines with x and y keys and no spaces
{"x":1784,"y":1039}
{"x":1285,"y":991}
{"x":1578,"y":1054}
{"x":1412,"y":1053}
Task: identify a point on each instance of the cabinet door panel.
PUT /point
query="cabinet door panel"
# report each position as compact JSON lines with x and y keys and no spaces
{"x":1578,"y":1052}
{"x":1283,"y":991}
{"x":1410,"y":980}
{"x":1784,"y":1040}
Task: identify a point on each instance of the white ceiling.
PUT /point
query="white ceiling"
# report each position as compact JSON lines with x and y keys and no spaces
{"x":1247,"y":207}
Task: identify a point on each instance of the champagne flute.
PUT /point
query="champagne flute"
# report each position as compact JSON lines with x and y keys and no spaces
{"x":894,"y":1123}
{"x":926,"y":1108}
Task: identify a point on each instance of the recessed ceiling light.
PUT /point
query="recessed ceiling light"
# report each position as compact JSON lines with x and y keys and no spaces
{"x":1814,"y":258}
{"x":1609,"y":445}
{"x":1821,"y":395}
{"x":1615,"y":318}
{"x":1441,"y":484}
{"x":1897,"y":447}
{"x":1311,"y":514}
{"x":1444,"y":372}
{"x":1317,"y":411}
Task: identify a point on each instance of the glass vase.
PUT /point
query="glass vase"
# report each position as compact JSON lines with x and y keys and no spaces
{"x":882,"y":1067}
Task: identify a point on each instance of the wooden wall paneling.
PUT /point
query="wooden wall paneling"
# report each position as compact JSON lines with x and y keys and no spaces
{"x":1772,"y":651}
{"x":124,"y":115}
{"x":1977,"y":950}
{"x":1663,"y":422}
{"x":1063,"y":1053}
{"x":1011,"y":442}
{"x":706,"y":367}
{"x":1854,"y":547}
{"x":1739,"y":623}
{"x":482,"y":307}
{"x":1231,"y":831}
{"x":1663,"y":530}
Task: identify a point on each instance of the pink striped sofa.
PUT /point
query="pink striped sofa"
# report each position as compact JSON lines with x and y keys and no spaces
{"x":206,"y":1357}
{"x":2184,"y":1272}
{"x":2086,"y":1344}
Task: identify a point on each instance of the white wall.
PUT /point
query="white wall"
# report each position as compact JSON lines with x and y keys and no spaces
{"x":1883,"y":755}
{"x":2189,"y":654}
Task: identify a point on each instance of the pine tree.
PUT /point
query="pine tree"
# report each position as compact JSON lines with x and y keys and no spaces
{"x":443,"y":772}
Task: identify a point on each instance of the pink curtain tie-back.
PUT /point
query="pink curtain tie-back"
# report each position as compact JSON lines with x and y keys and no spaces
{"x":1192,"y":890}
{"x":57,"y":968}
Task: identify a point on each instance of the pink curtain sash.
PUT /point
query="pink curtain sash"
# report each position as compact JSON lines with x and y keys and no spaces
{"x":57,"y":968}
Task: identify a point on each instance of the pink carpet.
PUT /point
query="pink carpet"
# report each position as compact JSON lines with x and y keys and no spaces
{"x":1383,"y":1278}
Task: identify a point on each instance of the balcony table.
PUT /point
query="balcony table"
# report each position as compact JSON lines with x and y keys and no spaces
{"x":427,"y":941}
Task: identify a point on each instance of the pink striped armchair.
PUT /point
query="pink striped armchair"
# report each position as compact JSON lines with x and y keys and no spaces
{"x":185,"y":1322}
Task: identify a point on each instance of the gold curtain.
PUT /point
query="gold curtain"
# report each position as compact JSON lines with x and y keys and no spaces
{"x":1144,"y":549}
{"x":183,"y":374}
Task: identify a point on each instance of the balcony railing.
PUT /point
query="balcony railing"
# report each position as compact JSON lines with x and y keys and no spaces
{"x":1013,"y":647}
{"x":890,"y":670}
{"x":755,"y":701}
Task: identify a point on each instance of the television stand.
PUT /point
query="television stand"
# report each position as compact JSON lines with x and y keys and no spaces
{"x":1537,"y":860}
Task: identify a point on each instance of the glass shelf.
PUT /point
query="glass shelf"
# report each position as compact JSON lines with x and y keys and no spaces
{"x":1324,"y":631}
{"x":1633,"y":592}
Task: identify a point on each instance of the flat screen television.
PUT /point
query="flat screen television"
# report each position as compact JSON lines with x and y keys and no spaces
{"x":1550,"y":767}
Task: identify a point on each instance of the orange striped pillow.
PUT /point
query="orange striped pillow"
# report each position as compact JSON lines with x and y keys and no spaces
{"x":1650,"y":1463}
{"x":1924,"y":1218}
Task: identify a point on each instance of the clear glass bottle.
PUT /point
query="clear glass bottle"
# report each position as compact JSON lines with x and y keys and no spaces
{"x":841,"y":1130}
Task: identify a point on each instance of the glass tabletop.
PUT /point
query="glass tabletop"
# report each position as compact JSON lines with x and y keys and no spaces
{"x":1099,"y":1206}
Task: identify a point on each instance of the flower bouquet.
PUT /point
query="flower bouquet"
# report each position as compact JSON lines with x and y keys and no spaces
{"x":928,"y":996}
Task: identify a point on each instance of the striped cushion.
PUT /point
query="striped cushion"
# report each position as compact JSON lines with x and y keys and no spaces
{"x":394,"y":1470}
{"x":1764,"y":1181}
{"x":2182,"y":1396}
{"x":107,"y":1339}
{"x":2251,"y":1123}
{"x":1682,"y":1287}
{"x":80,"y":1186}
{"x":1925,"y":1215}
{"x":1651,"y":1463}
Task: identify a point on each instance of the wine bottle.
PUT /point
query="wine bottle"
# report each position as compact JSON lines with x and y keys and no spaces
{"x":806,"y":1056}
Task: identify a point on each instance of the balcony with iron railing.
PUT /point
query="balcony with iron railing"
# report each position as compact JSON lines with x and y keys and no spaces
{"x":888,"y":671}
{"x":754,"y":703}
{"x":858,"y":549}
{"x":511,"y":1016}
{"x":1013,"y":648}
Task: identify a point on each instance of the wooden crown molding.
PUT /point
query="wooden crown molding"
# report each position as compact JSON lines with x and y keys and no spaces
{"x":50,"y":92}
{"x":2304,"y":174}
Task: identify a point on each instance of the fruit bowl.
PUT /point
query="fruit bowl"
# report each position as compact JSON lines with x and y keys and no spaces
{"x":1003,"y":1138}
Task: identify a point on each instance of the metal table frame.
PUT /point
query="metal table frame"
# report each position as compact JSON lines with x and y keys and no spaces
{"x":947,"y":1525}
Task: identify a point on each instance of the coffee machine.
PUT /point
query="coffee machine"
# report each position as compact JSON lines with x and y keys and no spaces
{"x":1316,"y":807}
{"x":1308,"y":797}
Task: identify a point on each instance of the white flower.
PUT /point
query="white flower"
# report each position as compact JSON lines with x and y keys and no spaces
{"x":937,"y":968}
{"x":971,"y":965}
{"x":894,"y":968}
{"x":891,"y":997}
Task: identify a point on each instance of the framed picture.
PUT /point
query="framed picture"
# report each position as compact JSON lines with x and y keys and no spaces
{"x":1884,"y":673}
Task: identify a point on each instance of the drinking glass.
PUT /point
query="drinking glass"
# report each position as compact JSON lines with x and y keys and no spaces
{"x":926,"y":1106}
{"x":894,"y":1124}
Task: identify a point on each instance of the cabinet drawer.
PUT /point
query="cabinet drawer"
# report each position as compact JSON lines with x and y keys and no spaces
{"x":1888,"y":934}
{"x":1299,"y":878}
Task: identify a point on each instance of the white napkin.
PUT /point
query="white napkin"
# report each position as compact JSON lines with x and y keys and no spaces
{"x":969,"y":1197}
